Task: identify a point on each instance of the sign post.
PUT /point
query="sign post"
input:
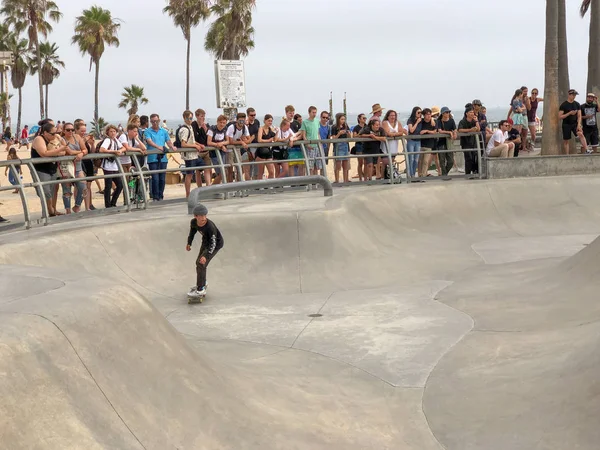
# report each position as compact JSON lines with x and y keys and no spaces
{"x":230,"y":80}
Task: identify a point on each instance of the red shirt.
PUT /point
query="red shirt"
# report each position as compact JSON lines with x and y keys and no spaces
{"x":24,"y":134}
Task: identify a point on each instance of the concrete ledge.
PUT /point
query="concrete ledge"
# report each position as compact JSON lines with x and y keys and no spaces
{"x":542,"y":166}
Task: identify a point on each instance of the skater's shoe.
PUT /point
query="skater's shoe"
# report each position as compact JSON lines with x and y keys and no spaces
{"x":201,"y":292}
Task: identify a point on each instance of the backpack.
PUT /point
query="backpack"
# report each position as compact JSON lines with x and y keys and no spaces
{"x":98,"y":162}
{"x":177,"y":142}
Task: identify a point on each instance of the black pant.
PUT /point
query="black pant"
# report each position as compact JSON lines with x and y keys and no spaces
{"x":446,"y":159}
{"x":108,"y":200}
{"x":471,"y":162}
{"x":201,"y":268}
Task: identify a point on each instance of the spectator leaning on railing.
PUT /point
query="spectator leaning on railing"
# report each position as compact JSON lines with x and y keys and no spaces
{"x":468,"y":143}
{"x":156,"y":138}
{"x":44,"y":146}
{"x":109,"y":166}
{"x":447,"y":126}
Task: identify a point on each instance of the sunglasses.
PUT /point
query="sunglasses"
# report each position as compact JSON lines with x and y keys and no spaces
{"x":419,"y":112}
{"x":252,"y":115}
{"x":69,"y":129}
{"x":324,"y":117}
{"x":155,"y":121}
{"x":53,"y":134}
{"x":189,"y":118}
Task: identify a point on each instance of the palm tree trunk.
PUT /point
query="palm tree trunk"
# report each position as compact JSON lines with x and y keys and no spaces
{"x":47,"y":100}
{"x":187,"y":74}
{"x":593,"y":82}
{"x":38,"y":57}
{"x":563,"y":54}
{"x":551,"y":136}
{"x":96,"y":93}
{"x":563,"y":61}
{"x":2,"y":92}
{"x":19,"y":109}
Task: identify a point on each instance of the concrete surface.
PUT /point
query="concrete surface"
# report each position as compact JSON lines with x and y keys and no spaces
{"x":542,"y":166}
{"x":457,"y":316}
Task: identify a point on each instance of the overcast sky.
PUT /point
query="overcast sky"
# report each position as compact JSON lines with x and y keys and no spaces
{"x":399,"y":53}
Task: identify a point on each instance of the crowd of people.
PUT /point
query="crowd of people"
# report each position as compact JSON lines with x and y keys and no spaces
{"x":210,"y":152}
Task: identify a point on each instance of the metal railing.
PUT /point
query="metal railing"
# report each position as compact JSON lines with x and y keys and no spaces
{"x":205,"y":192}
{"x":222,"y":166}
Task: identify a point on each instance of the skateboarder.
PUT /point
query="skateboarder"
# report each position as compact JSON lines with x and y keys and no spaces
{"x":212,"y":242}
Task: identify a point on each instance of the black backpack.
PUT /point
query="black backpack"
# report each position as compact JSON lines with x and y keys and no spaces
{"x":177,"y":142}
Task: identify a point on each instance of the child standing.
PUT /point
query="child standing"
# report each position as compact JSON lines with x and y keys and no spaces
{"x":212,"y":242}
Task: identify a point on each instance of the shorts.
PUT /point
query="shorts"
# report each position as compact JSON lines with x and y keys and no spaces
{"x":568,"y":130}
{"x":194,"y":163}
{"x":519,"y":119}
{"x":376,"y":152}
{"x":341,"y":149}
{"x":296,"y":153}
{"x":591,"y":136}
{"x":88,"y":167}
{"x":264,"y":153}
{"x":47,"y":188}
{"x":280,"y":153}
{"x":314,"y":160}
{"x":24,"y":141}
{"x":533,"y":124}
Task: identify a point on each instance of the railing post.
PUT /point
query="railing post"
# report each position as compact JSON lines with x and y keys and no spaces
{"x":142,"y":180}
{"x":306,"y":159}
{"x":478,"y":140}
{"x":40,"y":190}
{"x":389,"y":165}
{"x":21,"y":189}
{"x":125,"y":184}
{"x":407,"y":161}
{"x":323,"y":159}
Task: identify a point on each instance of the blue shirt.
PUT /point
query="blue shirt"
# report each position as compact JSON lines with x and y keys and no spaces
{"x":325,"y":133}
{"x":160,"y":137}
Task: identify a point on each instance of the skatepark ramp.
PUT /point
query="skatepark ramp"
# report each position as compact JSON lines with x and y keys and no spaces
{"x":458,"y":316}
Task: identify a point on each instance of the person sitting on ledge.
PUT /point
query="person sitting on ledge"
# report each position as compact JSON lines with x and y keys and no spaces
{"x":497,"y":147}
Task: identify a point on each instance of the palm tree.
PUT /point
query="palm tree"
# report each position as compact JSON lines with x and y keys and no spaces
{"x":18,"y":70}
{"x":230,"y":36}
{"x":551,"y":137}
{"x":132,"y":95}
{"x":31,"y":15}
{"x":593,"y":81}
{"x":187,"y":14}
{"x":51,"y":65}
{"x":98,"y":126}
{"x":6,"y":35}
{"x":95,"y":29}
{"x":4,"y":108}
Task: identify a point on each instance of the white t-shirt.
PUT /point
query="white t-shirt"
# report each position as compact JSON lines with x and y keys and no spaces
{"x":123,"y":140}
{"x":498,"y":136}
{"x":218,"y":136}
{"x":285,"y":134}
{"x":235,"y":133}
{"x":115,"y":145}
{"x":186,"y":133}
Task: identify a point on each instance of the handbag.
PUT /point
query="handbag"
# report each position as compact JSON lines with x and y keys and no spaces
{"x":66,"y":169}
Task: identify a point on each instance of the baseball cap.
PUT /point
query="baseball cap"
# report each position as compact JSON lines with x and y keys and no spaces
{"x":445,"y":109}
{"x":573,"y":92}
{"x":591,"y":94}
{"x":476,"y":102}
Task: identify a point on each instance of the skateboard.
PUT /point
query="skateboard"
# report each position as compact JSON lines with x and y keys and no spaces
{"x":192,"y":299}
